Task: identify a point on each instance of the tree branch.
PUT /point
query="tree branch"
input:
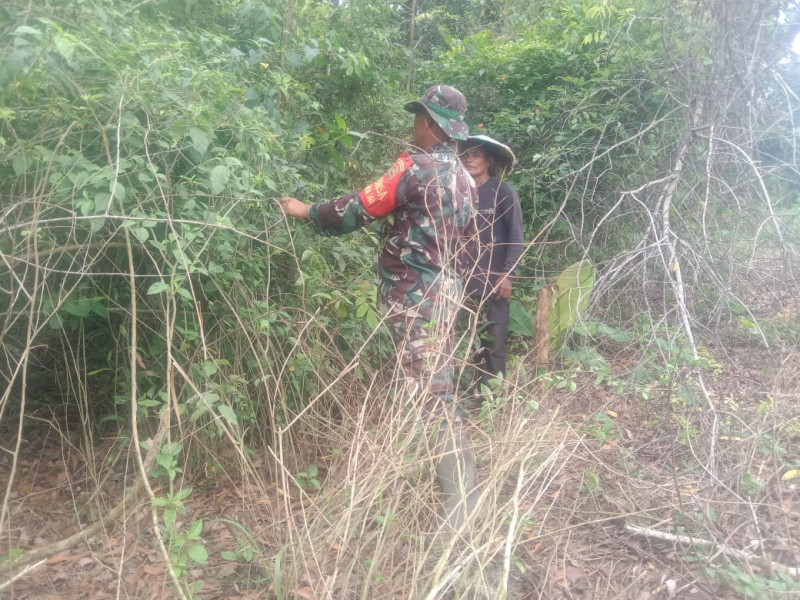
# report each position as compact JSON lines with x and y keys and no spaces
{"x":686,"y":540}
{"x":109,"y":519}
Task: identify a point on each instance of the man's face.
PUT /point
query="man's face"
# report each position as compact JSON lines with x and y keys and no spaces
{"x":477,"y":162}
{"x":421,"y":133}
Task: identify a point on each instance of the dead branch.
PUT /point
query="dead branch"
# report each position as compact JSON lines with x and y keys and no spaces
{"x":673,"y":268}
{"x":22,"y":573}
{"x":108,"y":520}
{"x":43,"y":255}
{"x":746,"y":557}
{"x":165,"y":419}
{"x":44,"y":552}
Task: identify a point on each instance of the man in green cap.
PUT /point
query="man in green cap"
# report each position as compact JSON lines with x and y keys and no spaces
{"x":429,"y":250}
{"x":499,"y":223}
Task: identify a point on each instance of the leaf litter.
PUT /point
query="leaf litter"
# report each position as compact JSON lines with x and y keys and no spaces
{"x":578,"y":548}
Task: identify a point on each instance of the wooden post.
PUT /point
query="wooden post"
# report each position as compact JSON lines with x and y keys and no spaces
{"x":541,"y":341}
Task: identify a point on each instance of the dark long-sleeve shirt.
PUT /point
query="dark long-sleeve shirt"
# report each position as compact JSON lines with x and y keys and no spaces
{"x":499,"y":222}
{"x":433,"y":234}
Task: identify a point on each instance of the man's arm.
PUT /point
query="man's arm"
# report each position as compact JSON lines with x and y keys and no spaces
{"x":347,"y":213}
{"x":511,"y":214}
{"x":512,"y":218}
{"x":334,"y":217}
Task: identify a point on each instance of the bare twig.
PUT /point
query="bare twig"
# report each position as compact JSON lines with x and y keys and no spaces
{"x":686,"y":540}
{"x":21,"y":574}
{"x":673,"y":267}
{"x":135,"y":429}
{"x":108,"y":520}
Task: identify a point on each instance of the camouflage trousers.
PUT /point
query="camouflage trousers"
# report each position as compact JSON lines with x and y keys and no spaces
{"x":424,"y":338}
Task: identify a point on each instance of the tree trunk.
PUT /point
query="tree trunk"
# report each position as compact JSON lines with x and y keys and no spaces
{"x":287,"y":25}
{"x":410,"y":72}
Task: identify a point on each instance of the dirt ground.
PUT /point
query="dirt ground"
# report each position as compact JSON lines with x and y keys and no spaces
{"x":635,"y":463}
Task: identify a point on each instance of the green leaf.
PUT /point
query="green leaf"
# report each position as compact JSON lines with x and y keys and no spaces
{"x":55,"y":322}
{"x":101,"y":202}
{"x":99,"y":309}
{"x":25,"y":29}
{"x":81,"y":309}
{"x":519,"y":321}
{"x":180,"y":128}
{"x":220,"y":175}
{"x":157,"y":288}
{"x":65,"y":46}
{"x":210,"y":368}
{"x":165,"y":460}
{"x":141,"y":233}
{"x":112,"y":419}
{"x":195,"y":530}
{"x":20,"y":164}
{"x":169,"y":517}
{"x":197,"y":553}
{"x":747,"y":324}
{"x":119,"y":191}
{"x":199,"y":139}
{"x":573,"y":288}
{"x":210,"y":397}
{"x":227,"y":412}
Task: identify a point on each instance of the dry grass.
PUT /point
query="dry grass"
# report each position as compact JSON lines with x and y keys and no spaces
{"x":562,"y":472}
{"x":557,"y":490}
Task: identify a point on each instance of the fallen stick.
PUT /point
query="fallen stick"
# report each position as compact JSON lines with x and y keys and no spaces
{"x":22,"y":573}
{"x":747,"y":557}
{"x":49,"y":550}
{"x":45,"y":552}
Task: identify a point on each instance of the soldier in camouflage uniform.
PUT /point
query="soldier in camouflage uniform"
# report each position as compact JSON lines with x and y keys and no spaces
{"x":429,"y":250}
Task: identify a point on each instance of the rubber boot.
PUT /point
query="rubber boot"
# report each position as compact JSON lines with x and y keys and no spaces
{"x":455,"y":476}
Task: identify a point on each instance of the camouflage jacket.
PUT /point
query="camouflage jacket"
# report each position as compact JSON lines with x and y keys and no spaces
{"x":432,"y":238}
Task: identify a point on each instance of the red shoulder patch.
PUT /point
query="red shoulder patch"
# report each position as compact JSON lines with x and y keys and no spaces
{"x":378,"y":198}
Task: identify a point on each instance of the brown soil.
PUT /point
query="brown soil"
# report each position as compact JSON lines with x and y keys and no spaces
{"x":636,"y":462}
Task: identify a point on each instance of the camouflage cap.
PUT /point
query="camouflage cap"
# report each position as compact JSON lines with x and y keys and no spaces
{"x":446,"y":105}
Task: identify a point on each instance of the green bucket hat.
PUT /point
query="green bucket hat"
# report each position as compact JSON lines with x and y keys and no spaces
{"x":503,"y":155}
{"x":446,"y":105}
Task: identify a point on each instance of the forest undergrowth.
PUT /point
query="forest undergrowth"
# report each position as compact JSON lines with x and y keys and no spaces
{"x":575,"y":486}
{"x":200,"y":399}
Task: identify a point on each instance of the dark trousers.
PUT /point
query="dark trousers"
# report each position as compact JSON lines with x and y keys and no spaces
{"x":491,"y":358}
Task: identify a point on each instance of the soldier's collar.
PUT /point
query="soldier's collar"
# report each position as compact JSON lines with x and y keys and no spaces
{"x":442,"y":147}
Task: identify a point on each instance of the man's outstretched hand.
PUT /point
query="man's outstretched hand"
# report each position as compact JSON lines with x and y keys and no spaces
{"x":292,"y":207}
